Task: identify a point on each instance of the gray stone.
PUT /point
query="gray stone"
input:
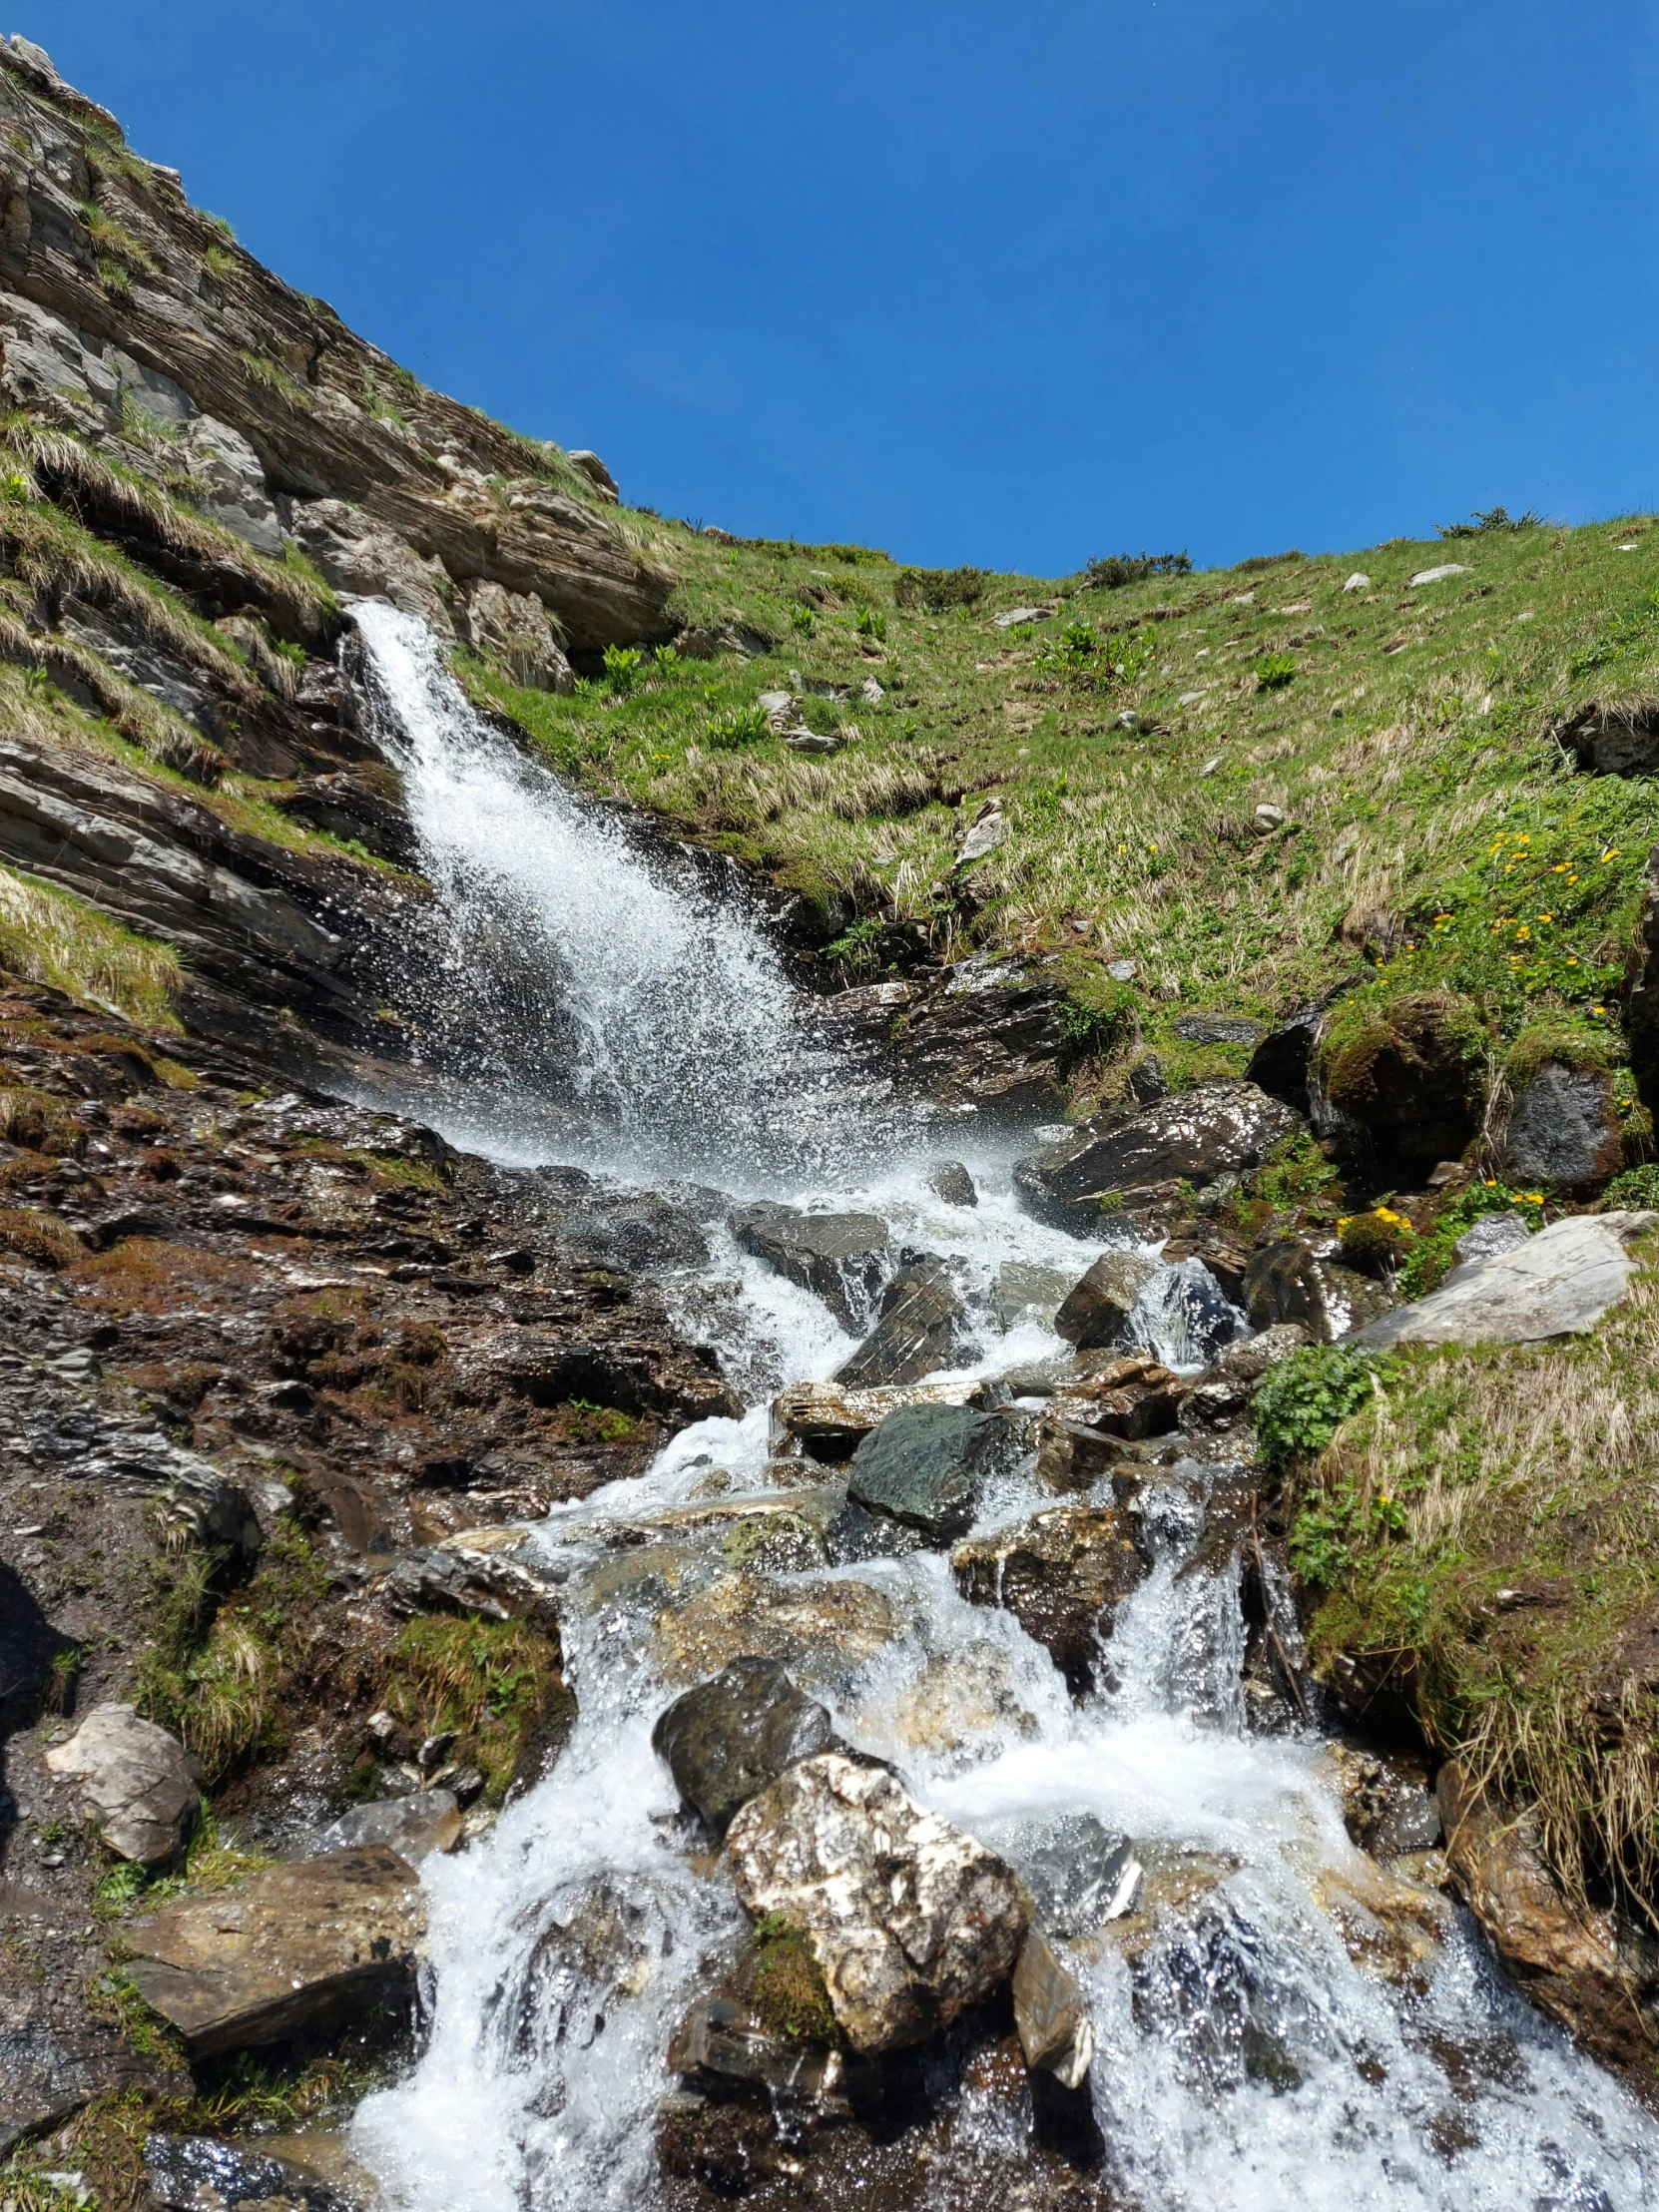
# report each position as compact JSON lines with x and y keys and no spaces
{"x":137,"y":1782}
{"x":282,"y":1952}
{"x":921,"y":1329}
{"x":988,"y":831}
{"x":1024,"y":1292}
{"x":1055,"y":2031}
{"x":1013,"y":615}
{"x":1563,"y":1127}
{"x":1616,"y":740}
{"x":1438,"y":575}
{"x":926,"y":1464}
{"x":1290,"y":1282}
{"x":1492,"y":1234}
{"x":515,"y":629}
{"x":1080,"y":1874}
{"x":1558,"y":1283}
{"x":728,"y":1738}
{"x":841,"y":1257}
{"x":51,"y":361}
{"x":412,"y":1825}
{"x":1359,"y":581}
{"x":1095,"y":1310}
{"x":819,"y":743}
{"x":1217,"y":1029}
{"x":238,"y":496}
{"x":1251,"y":1358}
{"x":1213,"y":1128}
{"x":910,"y":1921}
{"x":369,"y":562}
{"x":949,"y":1180}
{"x":597,"y":475}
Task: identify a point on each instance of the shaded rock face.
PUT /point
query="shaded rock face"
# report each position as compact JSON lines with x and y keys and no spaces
{"x":926,"y":1466}
{"x":910,"y":1921}
{"x":1616,"y":740}
{"x":1641,"y":991}
{"x":1565,"y":1128}
{"x":1598,"y":1980}
{"x":949,"y":1180}
{"x":136,"y":1781}
{"x":922,"y":1326}
{"x":1094,"y":1310}
{"x":1287,"y":1281}
{"x":1055,"y":2031}
{"x":985,"y":1032}
{"x":724,"y":1739}
{"x":1213,"y":1129}
{"x":188,"y":2172}
{"x":841,"y":1257}
{"x":1557,"y":1283}
{"x":1060,"y":1575}
{"x":294,"y":1948}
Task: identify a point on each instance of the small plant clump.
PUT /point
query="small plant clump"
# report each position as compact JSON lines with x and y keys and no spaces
{"x":622,"y":668}
{"x":938,"y":590}
{"x":1304,"y":1400}
{"x":735,"y":726}
{"x":1275,"y":670}
{"x":1115,"y":571}
{"x":789,"y":1990}
{"x":1483,"y":522}
{"x":1375,"y":1242}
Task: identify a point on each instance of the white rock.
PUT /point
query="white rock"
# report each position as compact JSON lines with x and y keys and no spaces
{"x":1019,"y":614}
{"x":597,"y":475}
{"x":871,"y":691}
{"x":802,"y":740}
{"x":910,"y":1921}
{"x":1359,"y":581}
{"x":137,"y":1782}
{"x":1243,"y":599}
{"x":1560,"y":1282}
{"x":1267,"y":818}
{"x":988,"y":831}
{"x":1191,"y":697}
{"x":1210,"y":766}
{"x":1438,"y":575}
{"x":1120,"y":971}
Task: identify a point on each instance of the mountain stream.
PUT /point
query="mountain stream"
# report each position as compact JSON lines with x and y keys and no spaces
{"x":1278,"y":2019}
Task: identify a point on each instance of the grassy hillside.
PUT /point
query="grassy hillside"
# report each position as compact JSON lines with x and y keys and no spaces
{"x":1404,"y":734}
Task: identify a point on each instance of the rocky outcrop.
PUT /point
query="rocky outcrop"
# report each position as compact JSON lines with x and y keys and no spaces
{"x":1212,"y":1130}
{"x":135,"y":1782}
{"x":728,"y":1738}
{"x":1641,"y":991}
{"x":1400,"y":1081}
{"x":293,"y":1950}
{"x":1563,"y":1127}
{"x":1288,"y":1282}
{"x":985,"y":1032}
{"x":1055,"y":2031}
{"x":1094,"y":1310}
{"x":1618,"y":739}
{"x":910,"y":1921}
{"x":1556,"y":1284}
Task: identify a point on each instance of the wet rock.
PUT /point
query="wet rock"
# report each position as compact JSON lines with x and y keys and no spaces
{"x":365,"y":804}
{"x":282,"y":1952}
{"x":857,"y":1534}
{"x":413,"y":1826}
{"x":1388,"y":1805}
{"x":138,"y":1783}
{"x":1027,"y":1293}
{"x":1250,"y":1359}
{"x":634,"y":1230}
{"x":922,"y":1328}
{"x":1184,"y":1312}
{"x":986,"y":1032}
{"x":1616,"y":740}
{"x":820,"y":1631}
{"x":1225,"y":1256}
{"x":1393,"y":1928}
{"x":1641,"y":991}
{"x":1073,"y":1457}
{"x":1563,"y":1127}
{"x":457,"y":1578}
{"x":926,"y":1466}
{"x":1288,"y":1282}
{"x":1133,"y":1397}
{"x":1560,"y":1282}
{"x":589,"y":1948}
{"x":1094,"y":1310}
{"x":1576,"y":1964}
{"x":841,"y":1257}
{"x":724,"y":1739}
{"x":831,"y":1421}
{"x":1213,"y":1128}
{"x":1492,"y":1234}
{"x":1055,"y":2031}
{"x":1079,"y":1874}
{"x":910,"y":1921}
{"x":962,"y":1698}
{"x":198,"y":2174}
{"x":1061,"y":1574}
{"x":719,"y":2042}
{"x":949,"y":1180}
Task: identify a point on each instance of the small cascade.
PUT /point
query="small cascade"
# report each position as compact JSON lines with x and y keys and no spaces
{"x":1278,"y":2019}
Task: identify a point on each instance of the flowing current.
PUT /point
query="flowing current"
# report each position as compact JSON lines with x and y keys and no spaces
{"x":1279,"y":2020}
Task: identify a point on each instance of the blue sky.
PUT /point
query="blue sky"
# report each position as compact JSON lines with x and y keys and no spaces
{"x":970,"y":280}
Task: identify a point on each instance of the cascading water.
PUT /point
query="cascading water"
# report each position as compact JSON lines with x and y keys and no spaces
{"x":1289,"y":2023}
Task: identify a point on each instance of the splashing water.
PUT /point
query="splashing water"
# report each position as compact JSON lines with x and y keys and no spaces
{"x":1280,"y":2021}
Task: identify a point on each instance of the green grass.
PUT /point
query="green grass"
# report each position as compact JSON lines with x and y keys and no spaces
{"x":50,"y":936}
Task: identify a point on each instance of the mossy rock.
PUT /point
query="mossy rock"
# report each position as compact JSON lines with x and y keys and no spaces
{"x":1406,"y":1072}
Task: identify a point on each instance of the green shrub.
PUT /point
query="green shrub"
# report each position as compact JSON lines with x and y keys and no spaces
{"x":1306,"y":1398}
{"x":858,"y":945}
{"x":1493,"y":519}
{"x":622,"y":668}
{"x":734,"y":726}
{"x":1275,"y":670}
{"x":938,"y":590}
{"x":1636,"y":1188}
{"x":1376,"y":1242}
{"x":1115,"y":570}
{"x":802,"y":619}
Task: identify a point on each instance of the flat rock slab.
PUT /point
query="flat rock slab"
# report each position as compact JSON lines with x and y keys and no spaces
{"x":415,"y":1826}
{"x":1556,"y":1284}
{"x":293,"y":1948}
{"x":137,"y":1782}
{"x":910,"y":1920}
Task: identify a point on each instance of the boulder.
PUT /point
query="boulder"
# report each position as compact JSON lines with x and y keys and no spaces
{"x":1288,"y":1282}
{"x":821,"y":1630}
{"x":1094,"y":1310}
{"x":1280,"y":1064}
{"x":1079,"y":1874}
{"x":1575,"y":1964}
{"x":1621,"y":739}
{"x":910,"y":1921}
{"x":1492,"y":1234}
{"x":1055,"y":2033}
{"x":1060,"y":1575}
{"x":198,"y":2174}
{"x":1563,"y":1127}
{"x":1641,"y":991}
{"x":1401,"y":1080}
{"x":295,"y":1949}
{"x":1072,"y":1456}
{"x":1134,"y":1396}
{"x":1224,"y":1254}
{"x":831,"y":1420}
{"x":949,"y":1180}
{"x":926,"y":1466}
{"x":415,"y":1826}
{"x":138,"y":1783}
{"x":841,"y":1257}
{"x":1217,"y":1029}
{"x":597,"y":475}
{"x":513,"y":628}
{"x":1183,"y":1314}
{"x":1250,"y":1359}
{"x":1027,"y":1293}
{"x":367,"y":561}
{"x":1558,"y":1283}
{"x":920,"y":1330}
{"x":1213,"y":1128}
{"x":728,"y":1738}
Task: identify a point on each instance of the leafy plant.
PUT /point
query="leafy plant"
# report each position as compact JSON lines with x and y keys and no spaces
{"x":1275,"y":670}
{"x":1115,"y":570}
{"x":870,"y":624}
{"x":734,"y":726}
{"x":669,"y":660}
{"x":802,"y":619}
{"x":938,"y":590}
{"x":1483,"y":523}
{"x":858,"y":944}
{"x":1306,"y":1398}
{"x":622,"y":668}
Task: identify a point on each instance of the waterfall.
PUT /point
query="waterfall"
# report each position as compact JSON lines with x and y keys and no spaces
{"x":562,"y":969}
{"x":1292,"y":2022}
